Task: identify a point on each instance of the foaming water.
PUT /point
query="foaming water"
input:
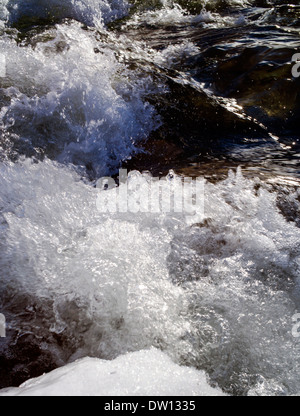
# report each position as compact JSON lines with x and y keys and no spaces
{"x":222,"y":287}
{"x":91,"y":12}
{"x":107,"y":277}
{"x":91,"y":85}
{"x":99,"y":12}
{"x":69,"y":97}
{"x":174,"y":14}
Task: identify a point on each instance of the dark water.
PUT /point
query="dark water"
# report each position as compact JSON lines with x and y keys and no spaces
{"x":199,"y":87}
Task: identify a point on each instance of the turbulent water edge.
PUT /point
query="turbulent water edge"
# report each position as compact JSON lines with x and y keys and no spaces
{"x":204,"y":88}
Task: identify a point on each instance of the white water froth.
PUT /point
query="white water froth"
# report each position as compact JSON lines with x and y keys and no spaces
{"x":68,"y":96}
{"x":218,"y":295}
{"x":144,"y":373}
{"x":89,"y":12}
{"x":172,"y":13}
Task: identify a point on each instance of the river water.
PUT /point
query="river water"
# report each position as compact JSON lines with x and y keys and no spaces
{"x":203,"y":88}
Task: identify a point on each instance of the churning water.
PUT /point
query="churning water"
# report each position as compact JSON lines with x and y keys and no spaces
{"x":195,"y":86}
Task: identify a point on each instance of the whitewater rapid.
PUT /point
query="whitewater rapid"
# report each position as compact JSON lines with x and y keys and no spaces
{"x":215,"y":291}
{"x":226,"y":286}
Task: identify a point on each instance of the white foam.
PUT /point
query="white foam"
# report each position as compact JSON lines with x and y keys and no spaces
{"x":144,"y":373}
{"x":90,"y":12}
{"x":223,"y":290}
{"x":113,"y":268}
{"x":4,"y":13}
{"x":62,"y":95}
{"x":172,"y":13}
